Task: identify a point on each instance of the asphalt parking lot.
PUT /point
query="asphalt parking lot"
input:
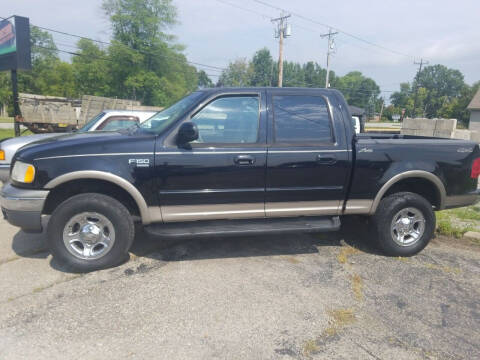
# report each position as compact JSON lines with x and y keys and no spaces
{"x":299,"y":296}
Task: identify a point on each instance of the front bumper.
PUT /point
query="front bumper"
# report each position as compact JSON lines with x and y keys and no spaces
{"x":23,"y":207}
{"x":4,"y":172}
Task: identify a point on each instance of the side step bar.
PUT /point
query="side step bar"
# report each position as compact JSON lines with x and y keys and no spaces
{"x":244,"y":227}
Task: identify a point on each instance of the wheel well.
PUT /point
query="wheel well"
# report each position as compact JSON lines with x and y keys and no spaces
{"x":420,"y":186}
{"x":68,"y":189}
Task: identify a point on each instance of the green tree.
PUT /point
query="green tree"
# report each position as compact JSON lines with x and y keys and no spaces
{"x":456,"y":108}
{"x":262,"y":66}
{"x":238,"y":73}
{"x":442,"y":85}
{"x":91,"y":69}
{"x":146,"y":63}
{"x":358,"y":90}
{"x":203,"y":80}
{"x":315,"y":75}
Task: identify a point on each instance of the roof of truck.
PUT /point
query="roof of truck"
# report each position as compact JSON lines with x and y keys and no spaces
{"x":283,"y":89}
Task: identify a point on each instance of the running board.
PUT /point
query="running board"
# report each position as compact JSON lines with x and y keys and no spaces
{"x":244,"y":227}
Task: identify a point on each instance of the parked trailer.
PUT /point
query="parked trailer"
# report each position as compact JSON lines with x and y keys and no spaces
{"x":46,"y":114}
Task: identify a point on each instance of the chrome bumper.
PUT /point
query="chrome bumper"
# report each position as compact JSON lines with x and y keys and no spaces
{"x":4,"y":172}
{"x":23,"y":207}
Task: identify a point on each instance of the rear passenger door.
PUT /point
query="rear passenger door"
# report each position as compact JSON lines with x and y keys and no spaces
{"x":308,"y":159}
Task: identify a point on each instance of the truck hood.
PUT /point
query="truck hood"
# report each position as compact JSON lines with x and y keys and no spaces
{"x":81,"y":144}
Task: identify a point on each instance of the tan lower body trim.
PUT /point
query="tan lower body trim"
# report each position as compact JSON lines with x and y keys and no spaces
{"x":258,"y":210}
{"x":294,"y":208}
{"x":360,"y":206}
{"x":212,"y":212}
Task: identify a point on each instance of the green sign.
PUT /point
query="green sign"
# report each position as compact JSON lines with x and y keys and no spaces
{"x":8,"y":42}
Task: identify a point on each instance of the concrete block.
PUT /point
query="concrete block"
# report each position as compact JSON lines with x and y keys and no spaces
{"x":446,"y":124}
{"x":426,"y":124}
{"x":475,"y":136}
{"x":424,"y":132}
{"x":409,"y":123}
{"x":417,"y":132}
{"x":472,"y":235}
{"x":461,"y":134}
{"x":407,"y":132}
{"x":443,"y":134}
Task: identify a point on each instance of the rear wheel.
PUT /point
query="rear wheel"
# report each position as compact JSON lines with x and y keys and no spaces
{"x":404,"y":224}
{"x":90,"y":232}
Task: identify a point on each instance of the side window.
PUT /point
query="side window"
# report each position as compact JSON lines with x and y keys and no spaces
{"x":301,"y":119}
{"x":232,"y":119}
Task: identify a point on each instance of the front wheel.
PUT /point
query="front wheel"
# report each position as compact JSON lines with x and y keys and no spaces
{"x":90,"y":231}
{"x":404,"y":224}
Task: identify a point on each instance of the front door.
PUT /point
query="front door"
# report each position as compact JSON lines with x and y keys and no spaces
{"x":308,"y":159}
{"x":222,"y":175}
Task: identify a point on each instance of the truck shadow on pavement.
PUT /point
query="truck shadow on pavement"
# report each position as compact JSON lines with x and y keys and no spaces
{"x":354,"y":232}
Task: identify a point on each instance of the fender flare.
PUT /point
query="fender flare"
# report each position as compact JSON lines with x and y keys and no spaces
{"x":411,"y":174}
{"x":145,"y":210}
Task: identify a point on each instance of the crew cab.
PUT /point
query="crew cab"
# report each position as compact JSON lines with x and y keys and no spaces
{"x":236,"y":161}
{"x":106,"y":120}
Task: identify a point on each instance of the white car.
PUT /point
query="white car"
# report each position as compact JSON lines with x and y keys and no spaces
{"x":356,"y":124}
{"x":107,"y":120}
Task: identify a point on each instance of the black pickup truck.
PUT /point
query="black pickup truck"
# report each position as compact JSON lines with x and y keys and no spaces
{"x":236,"y":161}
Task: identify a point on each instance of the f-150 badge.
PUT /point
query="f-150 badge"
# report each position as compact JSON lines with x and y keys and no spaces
{"x":139,"y":162}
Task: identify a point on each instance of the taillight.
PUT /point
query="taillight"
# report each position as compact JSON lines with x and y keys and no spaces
{"x":475,"y":168}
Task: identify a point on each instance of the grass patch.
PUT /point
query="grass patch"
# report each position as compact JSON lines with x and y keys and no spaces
{"x":447,"y":226}
{"x":339,"y":319}
{"x":6,"y":119}
{"x":310,"y":347}
{"x":445,"y":269}
{"x":9,"y":133}
{"x":357,"y":287}
{"x":345,"y":252}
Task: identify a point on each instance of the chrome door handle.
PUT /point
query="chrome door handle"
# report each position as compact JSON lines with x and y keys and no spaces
{"x":243,"y":160}
{"x":326,"y":159}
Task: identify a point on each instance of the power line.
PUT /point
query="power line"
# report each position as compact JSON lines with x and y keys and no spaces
{"x":334,"y":28}
{"x":121,"y":44}
{"x":245,"y":9}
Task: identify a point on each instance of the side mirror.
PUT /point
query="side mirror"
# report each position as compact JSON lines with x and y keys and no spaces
{"x":188,"y":132}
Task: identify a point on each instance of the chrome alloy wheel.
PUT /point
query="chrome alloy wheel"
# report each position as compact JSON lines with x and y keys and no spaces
{"x":89,"y":235}
{"x":408,"y":226}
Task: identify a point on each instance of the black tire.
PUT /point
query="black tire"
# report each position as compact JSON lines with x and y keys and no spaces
{"x":386,"y":211}
{"x":113,"y":210}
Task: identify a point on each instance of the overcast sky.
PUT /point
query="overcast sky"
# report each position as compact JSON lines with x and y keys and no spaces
{"x":214,"y":33}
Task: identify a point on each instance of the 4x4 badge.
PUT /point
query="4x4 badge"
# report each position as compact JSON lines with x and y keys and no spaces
{"x":139,"y":162}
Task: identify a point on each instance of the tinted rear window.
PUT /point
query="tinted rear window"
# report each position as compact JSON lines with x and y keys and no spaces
{"x":301,"y":119}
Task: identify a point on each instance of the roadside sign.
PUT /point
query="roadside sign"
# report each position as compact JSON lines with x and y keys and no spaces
{"x":15,"y":43}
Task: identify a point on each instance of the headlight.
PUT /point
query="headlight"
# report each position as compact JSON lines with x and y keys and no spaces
{"x":23,"y":172}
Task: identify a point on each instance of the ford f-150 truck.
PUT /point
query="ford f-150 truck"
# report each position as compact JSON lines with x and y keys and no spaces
{"x":236,"y":161}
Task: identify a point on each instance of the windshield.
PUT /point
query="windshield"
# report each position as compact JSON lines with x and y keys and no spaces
{"x":158,"y":122}
{"x":91,"y":123}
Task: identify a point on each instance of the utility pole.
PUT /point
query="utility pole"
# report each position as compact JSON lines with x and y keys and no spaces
{"x":282,"y":31}
{"x":421,"y":63}
{"x":16,"y":107}
{"x":331,"y":45}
